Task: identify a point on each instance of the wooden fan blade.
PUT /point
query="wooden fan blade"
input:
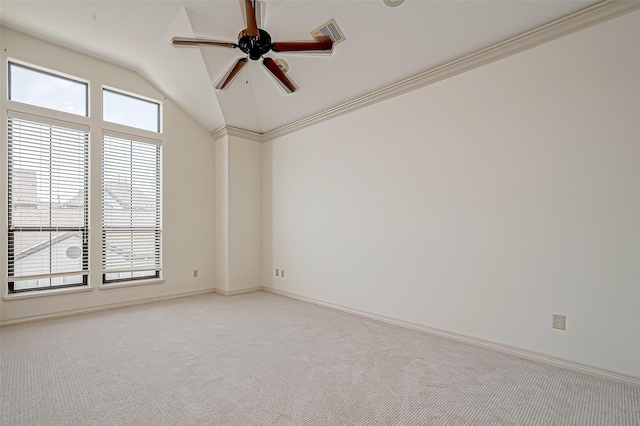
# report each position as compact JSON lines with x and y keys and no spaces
{"x":184,"y":41}
{"x":252,"y":25}
{"x":288,"y":85}
{"x":325,"y":45}
{"x":232,"y":74}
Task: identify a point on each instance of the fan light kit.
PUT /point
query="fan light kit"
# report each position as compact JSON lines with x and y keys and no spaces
{"x":282,"y":64}
{"x":255,"y":43}
{"x":393,"y":3}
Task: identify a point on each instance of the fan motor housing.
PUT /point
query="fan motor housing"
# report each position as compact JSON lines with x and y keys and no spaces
{"x":255,"y":47}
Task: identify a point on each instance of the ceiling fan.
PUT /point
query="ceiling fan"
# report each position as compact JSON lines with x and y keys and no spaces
{"x":256,"y":42}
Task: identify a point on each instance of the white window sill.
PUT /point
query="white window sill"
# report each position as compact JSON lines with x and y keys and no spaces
{"x":129,"y":284}
{"x":42,"y":293}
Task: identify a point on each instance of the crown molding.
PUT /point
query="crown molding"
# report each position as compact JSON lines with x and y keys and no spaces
{"x":219,"y":133}
{"x":237,"y":132}
{"x":590,"y":16}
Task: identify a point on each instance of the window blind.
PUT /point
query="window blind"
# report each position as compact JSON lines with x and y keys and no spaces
{"x":131,"y":208}
{"x":47,"y":203}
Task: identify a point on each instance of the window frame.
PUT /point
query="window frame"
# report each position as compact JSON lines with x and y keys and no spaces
{"x":133,"y":138}
{"x":96,"y":127}
{"x":136,"y":97}
{"x":83,"y":230}
{"x":51,"y":73}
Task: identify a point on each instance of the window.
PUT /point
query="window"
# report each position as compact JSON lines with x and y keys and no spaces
{"x":41,"y":88}
{"x":130,"y":208}
{"x":48,"y":183}
{"x":47,"y":203}
{"x":130,"y":111}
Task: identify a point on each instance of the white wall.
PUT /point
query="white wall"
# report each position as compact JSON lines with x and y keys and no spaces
{"x":238,"y":213}
{"x":222,"y":213}
{"x":188,"y":191}
{"x":480,"y":205}
{"x":245,"y":213}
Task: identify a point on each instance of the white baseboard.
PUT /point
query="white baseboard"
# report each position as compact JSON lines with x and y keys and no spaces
{"x":103,"y":307}
{"x":521,"y":353}
{"x":125,"y":304}
{"x":236,"y":292}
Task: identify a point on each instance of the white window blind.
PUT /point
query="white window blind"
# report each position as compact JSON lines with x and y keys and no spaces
{"x":131,"y":206}
{"x":47,"y":203}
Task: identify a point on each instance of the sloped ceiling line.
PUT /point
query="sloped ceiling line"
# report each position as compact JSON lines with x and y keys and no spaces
{"x":185,"y":64}
{"x":580,"y":20}
{"x":193,"y":22}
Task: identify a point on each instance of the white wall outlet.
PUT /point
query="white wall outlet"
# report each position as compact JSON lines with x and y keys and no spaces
{"x":277,"y":272}
{"x":559,"y":322}
{"x":195,"y":273}
{"x":282,"y":273}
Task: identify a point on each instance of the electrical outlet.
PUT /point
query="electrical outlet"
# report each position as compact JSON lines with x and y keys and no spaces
{"x":282,"y":273}
{"x":559,"y":322}
{"x":277,"y":272}
{"x":195,"y":273}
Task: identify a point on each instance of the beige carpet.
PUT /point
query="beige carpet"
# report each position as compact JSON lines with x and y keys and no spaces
{"x":261,"y":359}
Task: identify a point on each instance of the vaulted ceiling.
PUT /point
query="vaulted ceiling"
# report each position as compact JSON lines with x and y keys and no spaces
{"x":384,"y":45}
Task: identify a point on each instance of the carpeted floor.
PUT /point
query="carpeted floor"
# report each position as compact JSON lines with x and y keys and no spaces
{"x":262,"y":359}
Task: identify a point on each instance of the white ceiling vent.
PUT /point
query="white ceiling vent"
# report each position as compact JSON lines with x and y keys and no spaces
{"x":329,"y":29}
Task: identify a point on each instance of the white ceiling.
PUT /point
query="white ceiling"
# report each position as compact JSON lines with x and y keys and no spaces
{"x":383,"y":46}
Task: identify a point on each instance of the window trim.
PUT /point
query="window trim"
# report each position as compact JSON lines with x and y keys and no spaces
{"x":48,"y":72}
{"x":94,"y":124}
{"x":147,"y":279}
{"x":52,"y":292}
{"x":108,"y":283}
{"x":84,"y":230}
{"x":137,"y":97}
